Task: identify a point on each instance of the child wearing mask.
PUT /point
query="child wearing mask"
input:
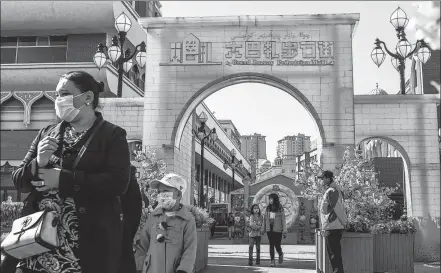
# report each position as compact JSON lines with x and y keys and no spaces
{"x":168,"y":241}
{"x":256,"y":230}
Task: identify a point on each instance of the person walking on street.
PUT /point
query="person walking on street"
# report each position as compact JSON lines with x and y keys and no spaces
{"x":256,"y":225}
{"x":213,"y":225}
{"x":230,"y":224}
{"x":333,"y":218}
{"x":275,"y":227}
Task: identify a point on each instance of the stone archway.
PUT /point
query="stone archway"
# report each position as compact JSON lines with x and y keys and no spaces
{"x":407,"y":166}
{"x":191,"y":58}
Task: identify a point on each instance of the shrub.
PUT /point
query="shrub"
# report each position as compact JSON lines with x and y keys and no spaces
{"x":366,"y":203}
{"x":201,"y":216}
{"x":394,"y":227}
{"x":10,"y":211}
{"x":152,"y":168}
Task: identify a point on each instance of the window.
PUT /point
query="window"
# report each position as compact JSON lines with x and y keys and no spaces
{"x":141,"y":8}
{"x":33,"y":49}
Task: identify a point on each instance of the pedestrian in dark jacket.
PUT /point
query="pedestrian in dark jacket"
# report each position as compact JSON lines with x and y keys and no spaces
{"x":132,"y":209}
{"x":87,"y":197}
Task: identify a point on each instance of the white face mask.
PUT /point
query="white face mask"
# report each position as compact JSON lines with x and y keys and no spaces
{"x":166,"y":200}
{"x":65,"y":109}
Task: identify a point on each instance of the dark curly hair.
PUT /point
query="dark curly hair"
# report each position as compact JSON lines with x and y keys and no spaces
{"x":85,"y":82}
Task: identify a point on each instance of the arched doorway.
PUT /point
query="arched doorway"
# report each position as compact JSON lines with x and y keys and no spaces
{"x":392,"y":163}
{"x":238,"y":78}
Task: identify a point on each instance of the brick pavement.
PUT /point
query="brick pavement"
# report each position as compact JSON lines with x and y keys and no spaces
{"x":226,"y":257}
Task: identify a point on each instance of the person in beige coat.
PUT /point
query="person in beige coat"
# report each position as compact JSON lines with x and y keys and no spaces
{"x":275,"y":227}
{"x":168,"y":241}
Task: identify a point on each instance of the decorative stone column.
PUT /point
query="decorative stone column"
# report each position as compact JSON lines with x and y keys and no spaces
{"x":246,"y":184}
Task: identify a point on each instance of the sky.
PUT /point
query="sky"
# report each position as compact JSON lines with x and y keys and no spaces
{"x":271,"y":107}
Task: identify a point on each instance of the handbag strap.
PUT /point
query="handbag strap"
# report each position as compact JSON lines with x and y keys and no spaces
{"x":83,"y":149}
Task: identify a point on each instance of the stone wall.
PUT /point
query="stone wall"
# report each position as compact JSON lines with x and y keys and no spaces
{"x":410,"y":124}
{"x":125,"y":112}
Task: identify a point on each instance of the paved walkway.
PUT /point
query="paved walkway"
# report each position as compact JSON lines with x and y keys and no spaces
{"x":226,"y":257}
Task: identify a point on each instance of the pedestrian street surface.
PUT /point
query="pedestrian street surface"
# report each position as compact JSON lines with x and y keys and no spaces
{"x":226,"y":257}
{"x":232,"y":258}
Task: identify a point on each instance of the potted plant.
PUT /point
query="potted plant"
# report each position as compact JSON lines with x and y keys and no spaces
{"x":203,"y":222}
{"x":10,"y":211}
{"x":366,"y":204}
{"x":390,"y":238}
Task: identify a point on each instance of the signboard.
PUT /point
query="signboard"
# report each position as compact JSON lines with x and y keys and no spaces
{"x":255,"y":49}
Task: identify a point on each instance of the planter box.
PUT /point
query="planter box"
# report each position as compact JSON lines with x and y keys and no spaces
{"x":357,"y":249}
{"x":393,"y":253}
{"x":202,"y":249}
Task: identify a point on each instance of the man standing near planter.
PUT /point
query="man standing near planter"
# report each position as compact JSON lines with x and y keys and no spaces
{"x":168,"y":242}
{"x":333,"y":219}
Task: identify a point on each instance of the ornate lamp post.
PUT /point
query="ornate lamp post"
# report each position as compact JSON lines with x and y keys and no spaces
{"x":403,"y":49}
{"x":203,"y":136}
{"x":234,"y":164}
{"x":114,"y":53}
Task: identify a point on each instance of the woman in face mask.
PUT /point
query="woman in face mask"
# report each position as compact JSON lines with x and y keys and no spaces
{"x":77,"y":168}
{"x":168,"y":241}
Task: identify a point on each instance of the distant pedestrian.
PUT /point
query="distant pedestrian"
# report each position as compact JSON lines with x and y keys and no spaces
{"x":213,"y":225}
{"x":255,"y":234}
{"x":333,"y":219}
{"x":275,"y":227}
{"x":230,"y":224}
{"x":145,"y":198}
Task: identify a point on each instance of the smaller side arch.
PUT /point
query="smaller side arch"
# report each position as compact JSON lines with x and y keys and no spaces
{"x":407,"y":165}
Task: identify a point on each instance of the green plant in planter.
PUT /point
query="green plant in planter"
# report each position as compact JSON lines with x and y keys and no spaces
{"x":366,"y":203}
{"x":201,"y":216}
{"x":151,"y":167}
{"x":10,"y":211}
{"x":394,"y":227}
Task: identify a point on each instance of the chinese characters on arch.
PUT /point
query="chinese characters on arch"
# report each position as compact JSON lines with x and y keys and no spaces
{"x":281,"y":52}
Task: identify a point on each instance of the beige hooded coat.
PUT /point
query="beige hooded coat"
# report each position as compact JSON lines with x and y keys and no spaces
{"x":178,"y":252}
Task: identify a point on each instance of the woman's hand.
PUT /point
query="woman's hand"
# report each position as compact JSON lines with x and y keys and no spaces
{"x":50,"y":177}
{"x":45,"y":149}
{"x":285,"y":234}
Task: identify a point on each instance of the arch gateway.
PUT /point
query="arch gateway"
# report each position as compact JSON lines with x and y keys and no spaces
{"x":307,"y":56}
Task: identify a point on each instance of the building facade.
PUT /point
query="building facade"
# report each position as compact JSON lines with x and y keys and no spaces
{"x":253,"y":146}
{"x":40,"y":41}
{"x":293,"y":145}
{"x":231,"y":130}
{"x":218,"y":181}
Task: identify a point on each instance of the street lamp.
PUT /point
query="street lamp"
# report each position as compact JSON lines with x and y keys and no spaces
{"x":115,"y":51}
{"x":234,"y":164}
{"x":203,"y":135}
{"x":403,"y":49}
